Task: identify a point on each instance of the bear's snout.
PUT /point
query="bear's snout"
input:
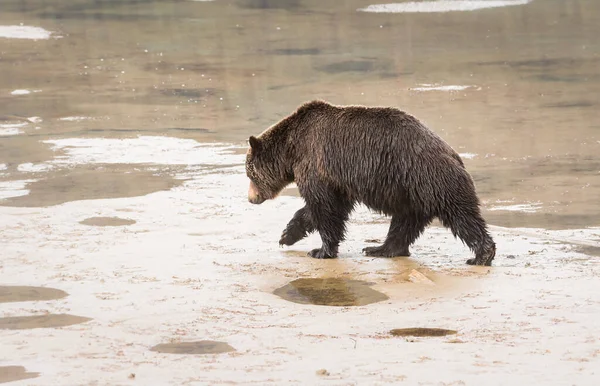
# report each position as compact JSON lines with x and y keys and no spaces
{"x":253,"y":195}
{"x":256,"y":200}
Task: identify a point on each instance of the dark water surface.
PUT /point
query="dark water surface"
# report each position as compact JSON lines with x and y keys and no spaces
{"x":223,"y":70}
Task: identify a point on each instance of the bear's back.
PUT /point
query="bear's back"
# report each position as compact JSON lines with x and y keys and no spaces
{"x":378,"y":154}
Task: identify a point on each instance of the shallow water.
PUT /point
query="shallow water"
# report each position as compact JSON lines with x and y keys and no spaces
{"x":330,"y":292}
{"x":421,"y":332}
{"x":10,"y":294}
{"x":40,"y":321}
{"x":107,"y":221}
{"x":514,"y":86}
{"x":200,"y":347}
{"x":89,"y":184}
{"x":15,"y":373}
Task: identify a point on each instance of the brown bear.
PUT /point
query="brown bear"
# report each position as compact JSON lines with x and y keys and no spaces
{"x":382,"y":157}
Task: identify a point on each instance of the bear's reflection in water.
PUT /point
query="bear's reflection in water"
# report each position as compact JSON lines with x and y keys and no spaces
{"x":199,"y":347}
{"x":330,"y":292}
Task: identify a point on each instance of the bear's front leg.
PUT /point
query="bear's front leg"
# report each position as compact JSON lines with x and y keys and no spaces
{"x":329,"y":212}
{"x":298,"y":228}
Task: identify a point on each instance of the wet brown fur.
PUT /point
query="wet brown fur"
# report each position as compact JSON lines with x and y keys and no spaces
{"x":379,"y":156}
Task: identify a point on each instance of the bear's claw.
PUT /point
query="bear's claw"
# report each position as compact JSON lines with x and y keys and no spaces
{"x":475,"y":262}
{"x":291,"y":235}
{"x":484,"y":258}
{"x":319,"y":253}
{"x":382,"y":251}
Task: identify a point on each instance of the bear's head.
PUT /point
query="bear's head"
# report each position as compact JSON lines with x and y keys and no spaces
{"x":264,"y":168}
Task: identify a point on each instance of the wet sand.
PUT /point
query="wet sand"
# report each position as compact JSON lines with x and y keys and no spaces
{"x":141,"y":110}
{"x":161,"y":284}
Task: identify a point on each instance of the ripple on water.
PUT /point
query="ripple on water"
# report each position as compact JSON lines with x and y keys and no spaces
{"x":330,"y":292}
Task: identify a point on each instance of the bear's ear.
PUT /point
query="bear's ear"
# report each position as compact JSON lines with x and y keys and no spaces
{"x":255,"y":143}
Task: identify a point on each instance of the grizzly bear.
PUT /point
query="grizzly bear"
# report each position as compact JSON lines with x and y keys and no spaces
{"x":382,"y":157}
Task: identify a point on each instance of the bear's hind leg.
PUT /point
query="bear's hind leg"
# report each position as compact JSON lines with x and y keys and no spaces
{"x":404,"y":229}
{"x":470,"y":227}
{"x":298,"y":228}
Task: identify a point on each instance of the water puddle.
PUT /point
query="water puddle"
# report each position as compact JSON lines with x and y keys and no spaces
{"x":10,"y":294}
{"x":90,"y":185}
{"x":330,"y":292}
{"x":421,"y":332}
{"x":107,"y":221}
{"x":589,"y":250}
{"x":199,"y":347}
{"x":15,"y":373}
{"x":40,"y":321}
